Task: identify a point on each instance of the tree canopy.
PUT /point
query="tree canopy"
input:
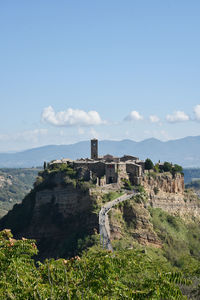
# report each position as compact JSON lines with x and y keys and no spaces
{"x":98,"y":274}
{"x":148,"y":164}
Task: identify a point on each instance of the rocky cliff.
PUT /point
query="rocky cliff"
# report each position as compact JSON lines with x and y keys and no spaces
{"x":58,"y":213}
{"x":61,"y":212}
{"x":132,"y":221}
{"x":165,"y":182}
{"x":168,"y":193}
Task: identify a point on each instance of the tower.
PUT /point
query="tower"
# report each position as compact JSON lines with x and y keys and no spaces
{"x":94,"y":149}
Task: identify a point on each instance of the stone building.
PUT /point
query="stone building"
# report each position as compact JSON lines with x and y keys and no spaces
{"x":108,"y":169}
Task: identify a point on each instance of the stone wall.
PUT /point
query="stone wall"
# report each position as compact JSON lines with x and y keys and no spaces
{"x":111,"y":173}
{"x":98,"y":168}
{"x":134,"y":169}
{"x":121,"y":171}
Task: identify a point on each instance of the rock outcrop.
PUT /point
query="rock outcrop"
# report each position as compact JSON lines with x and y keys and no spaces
{"x":132,"y":220}
{"x":168,"y":193}
{"x":165,"y":182}
{"x":61,"y":212}
{"x":58,"y":213}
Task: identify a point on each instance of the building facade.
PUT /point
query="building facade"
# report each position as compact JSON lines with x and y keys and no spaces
{"x":107,"y":169}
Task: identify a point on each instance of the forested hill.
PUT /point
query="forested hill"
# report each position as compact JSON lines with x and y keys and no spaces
{"x":185,"y":152}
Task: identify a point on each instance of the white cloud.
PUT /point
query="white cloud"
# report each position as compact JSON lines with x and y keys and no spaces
{"x":71,"y":117}
{"x":154,"y":119}
{"x":177,"y":116}
{"x":197,"y":112}
{"x":134,"y":116}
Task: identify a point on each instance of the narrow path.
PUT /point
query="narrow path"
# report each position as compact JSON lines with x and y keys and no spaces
{"x":104,"y":228}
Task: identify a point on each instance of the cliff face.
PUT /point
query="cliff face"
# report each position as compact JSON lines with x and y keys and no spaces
{"x":132,"y":221}
{"x":168,"y":193}
{"x":58,"y":213}
{"x":164,"y":182}
{"x":61,"y":212}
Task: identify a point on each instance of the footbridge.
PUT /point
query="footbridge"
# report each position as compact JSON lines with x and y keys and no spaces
{"x":104,"y":228}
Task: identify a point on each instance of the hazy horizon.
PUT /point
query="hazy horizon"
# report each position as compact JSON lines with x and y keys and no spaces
{"x":100,"y":140}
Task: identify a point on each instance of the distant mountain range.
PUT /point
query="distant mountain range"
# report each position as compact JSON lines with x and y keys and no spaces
{"x":185,"y":151}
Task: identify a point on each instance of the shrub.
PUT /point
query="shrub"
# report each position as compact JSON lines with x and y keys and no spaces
{"x":127,"y":184}
{"x":157,"y":168}
{"x":38,"y":181}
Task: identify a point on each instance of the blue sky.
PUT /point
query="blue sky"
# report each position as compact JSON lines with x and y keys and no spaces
{"x":73,"y":70}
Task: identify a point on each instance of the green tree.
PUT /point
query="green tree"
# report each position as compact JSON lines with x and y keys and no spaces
{"x":148,"y":164}
{"x":177,"y":169}
{"x":98,"y":274}
{"x":167,"y":167}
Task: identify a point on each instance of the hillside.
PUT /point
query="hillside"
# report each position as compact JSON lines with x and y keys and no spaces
{"x":14,"y":185}
{"x":162,"y":221}
{"x":61,"y":212}
{"x":182,"y":151}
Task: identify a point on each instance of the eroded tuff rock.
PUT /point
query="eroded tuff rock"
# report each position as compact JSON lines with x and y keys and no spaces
{"x":168,"y":193}
{"x":132,"y":220}
{"x":62,"y":210}
{"x":163,"y":191}
{"x":164,"y":182}
{"x":57,"y":213}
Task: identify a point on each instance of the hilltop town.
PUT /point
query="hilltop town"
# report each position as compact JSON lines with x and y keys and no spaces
{"x":106,"y":169}
{"x":68,"y":195}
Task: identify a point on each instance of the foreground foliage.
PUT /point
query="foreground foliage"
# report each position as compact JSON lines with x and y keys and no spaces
{"x":98,"y":274}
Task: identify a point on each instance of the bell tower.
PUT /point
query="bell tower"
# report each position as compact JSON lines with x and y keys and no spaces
{"x":94,"y":149}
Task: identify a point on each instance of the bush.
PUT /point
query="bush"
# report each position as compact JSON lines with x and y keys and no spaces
{"x":38,"y":181}
{"x":157,"y":168}
{"x":127,"y":184}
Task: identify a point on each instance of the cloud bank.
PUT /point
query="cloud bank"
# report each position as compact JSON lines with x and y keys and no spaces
{"x":177,"y":116}
{"x":71,"y":117}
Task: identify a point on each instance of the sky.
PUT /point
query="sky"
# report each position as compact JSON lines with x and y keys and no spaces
{"x":75,"y":70}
